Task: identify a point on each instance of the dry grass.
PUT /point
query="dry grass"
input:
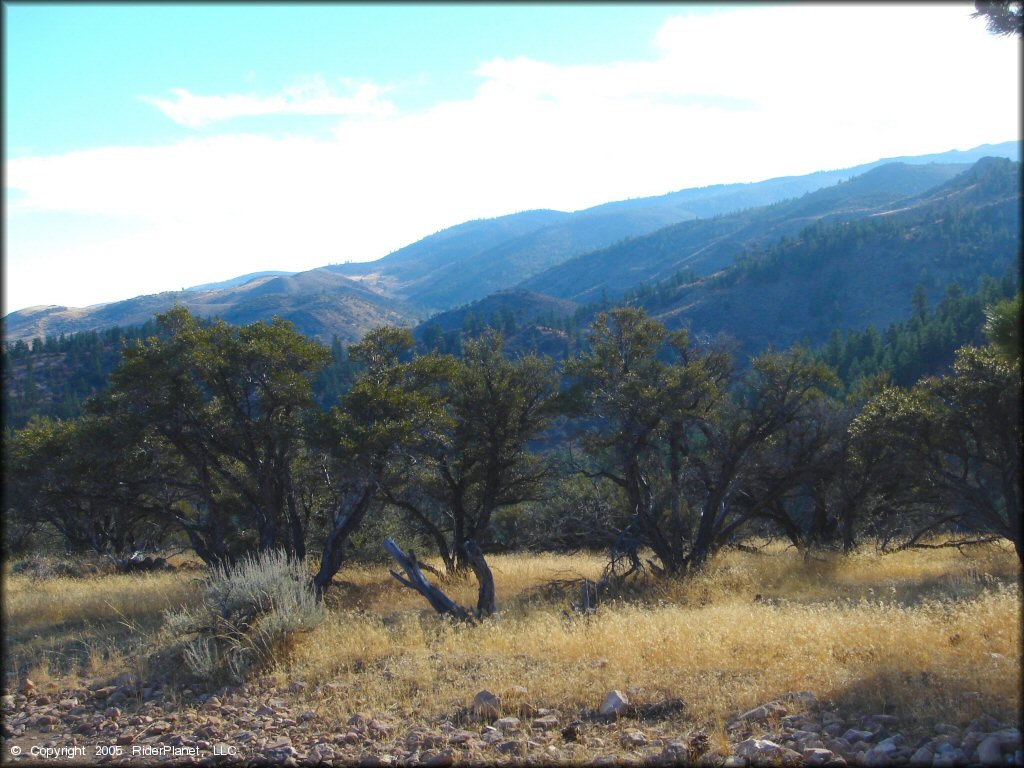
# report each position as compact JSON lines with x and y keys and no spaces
{"x":61,"y":628}
{"x":931,"y":635}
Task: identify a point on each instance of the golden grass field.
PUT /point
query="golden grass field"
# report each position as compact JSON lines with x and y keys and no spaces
{"x":933,"y":635}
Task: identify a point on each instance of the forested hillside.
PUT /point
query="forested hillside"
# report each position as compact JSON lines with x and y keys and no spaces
{"x":855,"y":273}
{"x":707,"y":245}
{"x":862,"y":278}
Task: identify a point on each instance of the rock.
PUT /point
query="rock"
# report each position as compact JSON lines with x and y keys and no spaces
{"x":763,"y":713}
{"x":547,"y":723}
{"x":298,"y":686}
{"x":674,"y":752}
{"x":7,"y":702}
{"x":424,"y":740}
{"x":491,"y":735}
{"x":68,"y":704}
{"x":990,"y":752}
{"x":922,"y":757}
{"x":633,"y":738}
{"x":265,"y":711}
{"x":971,"y":741}
{"x":460,"y":737}
{"x":765,"y":751}
{"x":208,"y":731}
{"x":947,"y":729}
{"x":512,"y":748}
{"x":817,"y":756}
{"x":305,"y":717}
{"x":572,"y":731}
{"x":323,"y":752}
{"x":1009,"y":739}
{"x":440,"y":760}
{"x":381,"y":728}
{"x":889,"y":745}
{"x":486,"y":705}
{"x":112,"y":712}
{"x":874,"y":758}
{"x":853,"y":736}
{"x":614,"y":704}
{"x":984,"y":724}
{"x":507,"y":723}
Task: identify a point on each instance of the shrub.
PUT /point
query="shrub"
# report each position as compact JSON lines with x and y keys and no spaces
{"x":248,"y":617}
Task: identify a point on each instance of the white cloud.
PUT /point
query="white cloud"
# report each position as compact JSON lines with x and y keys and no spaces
{"x":740,"y":95}
{"x":310,"y":98}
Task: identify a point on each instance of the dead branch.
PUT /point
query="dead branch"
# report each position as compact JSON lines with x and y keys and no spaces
{"x":415,"y":580}
{"x":958,"y":543}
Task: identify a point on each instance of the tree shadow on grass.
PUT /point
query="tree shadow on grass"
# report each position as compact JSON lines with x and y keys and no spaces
{"x":921,"y":700}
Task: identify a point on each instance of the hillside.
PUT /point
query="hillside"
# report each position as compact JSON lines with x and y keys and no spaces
{"x":855,"y":273}
{"x":708,"y":245}
{"x":471,"y":260}
{"x":855,"y":267}
{"x":320,"y":303}
{"x":529,"y":322}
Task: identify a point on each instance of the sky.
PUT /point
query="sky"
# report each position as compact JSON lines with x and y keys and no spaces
{"x":153,"y":147}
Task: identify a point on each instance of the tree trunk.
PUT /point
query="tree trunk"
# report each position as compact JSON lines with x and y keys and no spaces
{"x":298,"y":530}
{"x":849,"y":519}
{"x":705,"y":540}
{"x":344,"y":526}
{"x":485,"y":605}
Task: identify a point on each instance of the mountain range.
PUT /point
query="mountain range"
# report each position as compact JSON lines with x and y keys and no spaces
{"x":696,"y":251}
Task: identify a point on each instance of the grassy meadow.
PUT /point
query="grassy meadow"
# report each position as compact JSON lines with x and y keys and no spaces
{"x":931,"y":635}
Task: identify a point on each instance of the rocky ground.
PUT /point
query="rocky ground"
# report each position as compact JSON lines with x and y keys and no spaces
{"x":121,"y":723}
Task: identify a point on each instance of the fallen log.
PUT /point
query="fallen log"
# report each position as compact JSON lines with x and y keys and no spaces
{"x":415,"y":580}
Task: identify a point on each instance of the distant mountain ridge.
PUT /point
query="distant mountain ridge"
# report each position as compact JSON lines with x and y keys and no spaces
{"x":572,"y":256}
{"x":511,"y":249}
{"x":708,"y":245}
{"x":240,"y":280}
{"x":317,"y":301}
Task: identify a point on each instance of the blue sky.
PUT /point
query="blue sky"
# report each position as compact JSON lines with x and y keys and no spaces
{"x":151,"y":147}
